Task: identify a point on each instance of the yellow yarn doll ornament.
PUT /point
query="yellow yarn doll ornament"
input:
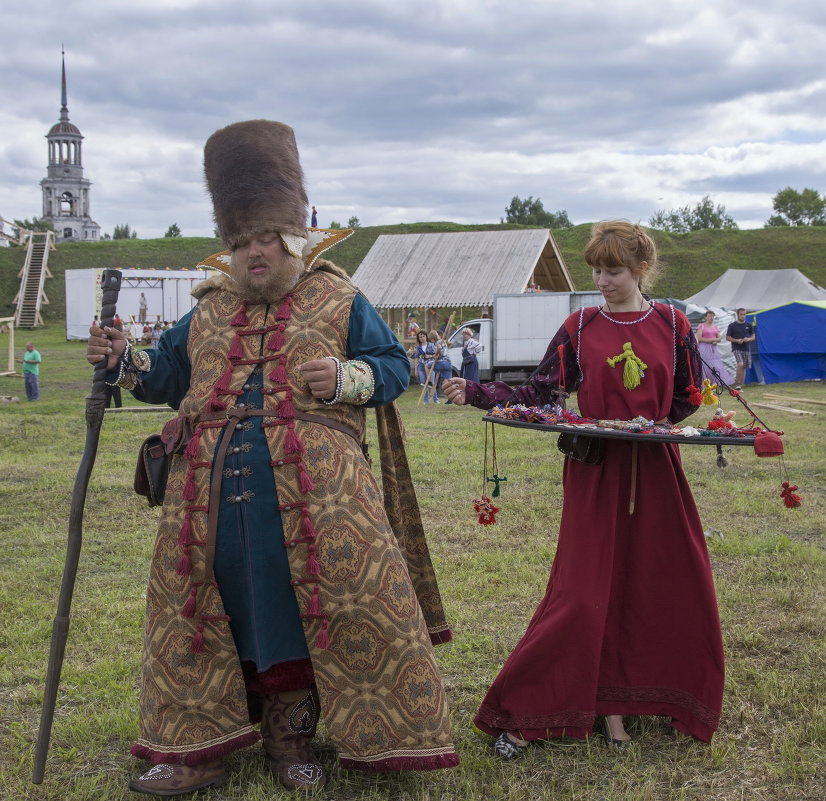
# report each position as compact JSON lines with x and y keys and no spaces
{"x":634,"y":369}
{"x":709,"y":392}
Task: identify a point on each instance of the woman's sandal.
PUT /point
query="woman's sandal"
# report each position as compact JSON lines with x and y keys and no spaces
{"x":611,"y":740}
{"x":507,"y":748}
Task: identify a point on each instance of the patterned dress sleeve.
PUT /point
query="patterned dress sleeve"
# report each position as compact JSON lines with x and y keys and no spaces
{"x":548,"y":384}
{"x":688,"y":370}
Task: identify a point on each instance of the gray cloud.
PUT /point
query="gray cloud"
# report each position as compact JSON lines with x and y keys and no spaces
{"x":437,"y":109}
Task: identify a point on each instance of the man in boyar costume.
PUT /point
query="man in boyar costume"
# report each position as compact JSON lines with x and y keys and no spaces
{"x":284,"y":584}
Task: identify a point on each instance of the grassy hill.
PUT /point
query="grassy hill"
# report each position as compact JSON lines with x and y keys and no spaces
{"x":689,"y":261}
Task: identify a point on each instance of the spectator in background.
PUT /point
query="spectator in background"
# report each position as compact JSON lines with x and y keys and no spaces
{"x":470,"y":350}
{"x":442,"y":367}
{"x":741,"y":333}
{"x":117,"y":323}
{"x":143,"y":305}
{"x":425,"y":358}
{"x":31,"y":372}
{"x":314,"y":219}
{"x":155,"y":336}
{"x":708,"y":335}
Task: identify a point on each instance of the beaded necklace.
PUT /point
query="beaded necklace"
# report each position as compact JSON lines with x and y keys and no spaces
{"x":626,"y":322}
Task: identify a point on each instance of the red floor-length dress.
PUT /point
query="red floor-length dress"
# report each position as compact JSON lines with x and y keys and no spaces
{"x":629,"y":622}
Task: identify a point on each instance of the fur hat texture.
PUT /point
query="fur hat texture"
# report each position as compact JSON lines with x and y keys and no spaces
{"x":254,"y":176}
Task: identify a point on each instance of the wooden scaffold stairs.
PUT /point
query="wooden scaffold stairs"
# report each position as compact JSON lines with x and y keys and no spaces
{"x":31,"y":296}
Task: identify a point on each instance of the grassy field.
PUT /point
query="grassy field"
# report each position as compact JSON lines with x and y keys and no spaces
{"x":769,"y":566}
{"x":690,"y":261}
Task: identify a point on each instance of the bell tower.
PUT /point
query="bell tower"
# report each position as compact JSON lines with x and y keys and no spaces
{"x":65,"y":190}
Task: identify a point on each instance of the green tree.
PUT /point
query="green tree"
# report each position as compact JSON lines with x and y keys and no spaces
{"x":35,"y":224}
{"x":335,"y":225}
{"x":701,"y":217}
{"x":172,"y":231}
{"x":124,"y":232}
{"x":353,"y":222}
{"x":530,"y":211}
{"x":798,"y":208}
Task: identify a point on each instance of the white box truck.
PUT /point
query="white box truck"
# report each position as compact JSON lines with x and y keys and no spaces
{"x":515,"y":339}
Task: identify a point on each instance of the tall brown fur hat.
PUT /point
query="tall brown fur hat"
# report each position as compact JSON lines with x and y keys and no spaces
{"x":255,"y":179}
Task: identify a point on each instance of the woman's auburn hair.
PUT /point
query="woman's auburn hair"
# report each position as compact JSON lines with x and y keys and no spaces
{"x":620,"y":243}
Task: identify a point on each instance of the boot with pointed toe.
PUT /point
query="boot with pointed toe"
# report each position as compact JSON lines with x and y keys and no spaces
{"x":288,"y":725}
{"x":168,"y":780}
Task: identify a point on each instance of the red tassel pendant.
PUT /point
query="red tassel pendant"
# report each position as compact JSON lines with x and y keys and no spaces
{"x":314,"y":607}
{"x":791,"y":500}
{"x":223,"y":381}
{"x":323,"y":640}
{"x":695,"y":397}
{"x":305,"y":483}
{"x":198,"y":640}
{"x":240,"y":319}
{"x":485,"y":510}
{"x":285,"y":309}
{"x":191,"y":602}
{"x":236,"y":351}
{"x":313,"y":567}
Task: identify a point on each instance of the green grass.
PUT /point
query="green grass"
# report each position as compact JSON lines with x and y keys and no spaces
{"x":769,"y":565}
{"x":690,"y":261}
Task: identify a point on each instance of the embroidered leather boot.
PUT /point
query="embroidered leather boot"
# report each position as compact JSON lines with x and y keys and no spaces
{"x":288,"y":724}
{"x":166,"y":779}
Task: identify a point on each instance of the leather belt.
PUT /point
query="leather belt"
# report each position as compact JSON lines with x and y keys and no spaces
{"x":237,"y":414}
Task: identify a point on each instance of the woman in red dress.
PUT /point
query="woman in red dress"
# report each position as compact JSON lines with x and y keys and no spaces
{"x":629,"y":622}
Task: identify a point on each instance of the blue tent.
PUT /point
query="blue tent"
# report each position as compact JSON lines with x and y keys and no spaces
{"x":791,"y":342}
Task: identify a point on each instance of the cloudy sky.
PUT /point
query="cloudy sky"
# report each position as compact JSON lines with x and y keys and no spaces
{"x":413,"y":110}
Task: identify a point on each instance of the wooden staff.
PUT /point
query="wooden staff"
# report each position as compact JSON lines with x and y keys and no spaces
{"x":95,"y":405}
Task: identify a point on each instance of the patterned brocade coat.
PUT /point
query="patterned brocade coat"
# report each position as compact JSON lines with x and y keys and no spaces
{"x":359,"y":562}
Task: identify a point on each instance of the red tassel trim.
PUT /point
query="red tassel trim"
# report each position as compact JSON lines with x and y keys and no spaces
{"x":279,"y":375}
{"x":435,"y":762}
{"x":223,"y":381}
{"x":323,"y":639}
{"x":191,"y":602}
{"x":184,"y":563}
{"x":240,"y":319}
{"x":305,"y":483}
{"x":198,"y":640}
{"x":791,"y":500}
{"x":285,"y":309}
{"x":292,"y":444}
{"x":313,"y":567}
{"x":216,"y":405}
{"x":285,"y":407}
{"x":185,"y":534}
{"x":236,"y":351}
{"x":276,"y":340}
{"x":314,"y":607}
{"x":307,"y":527}
{"x":189,"y":488}
{"x":194,"y":445}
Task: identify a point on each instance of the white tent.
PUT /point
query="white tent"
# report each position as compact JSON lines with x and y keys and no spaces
{"x":754,"y":290}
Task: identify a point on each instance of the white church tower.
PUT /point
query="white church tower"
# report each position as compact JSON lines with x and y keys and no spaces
{"x":65,"y":190}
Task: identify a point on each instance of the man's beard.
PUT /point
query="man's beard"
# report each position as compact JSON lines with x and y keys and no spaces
{"x":277,"y":282}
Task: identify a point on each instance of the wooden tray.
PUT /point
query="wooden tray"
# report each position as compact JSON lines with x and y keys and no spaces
{"x":590,"y":430}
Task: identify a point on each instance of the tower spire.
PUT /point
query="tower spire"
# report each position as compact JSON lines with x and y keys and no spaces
{"x":64,"y":110}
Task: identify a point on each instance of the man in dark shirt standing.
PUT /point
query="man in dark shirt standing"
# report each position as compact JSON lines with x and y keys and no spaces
{"x":740,"y":334}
